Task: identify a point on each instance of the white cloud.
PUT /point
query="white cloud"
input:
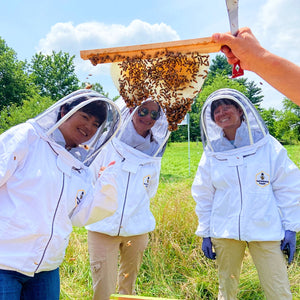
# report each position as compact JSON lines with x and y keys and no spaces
{"x":278,"y":28}
{"x":93,"y":35}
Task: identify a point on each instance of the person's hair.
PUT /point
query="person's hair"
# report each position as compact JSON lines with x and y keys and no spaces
{"x":224,"y":101}
{"x":98,"y":109}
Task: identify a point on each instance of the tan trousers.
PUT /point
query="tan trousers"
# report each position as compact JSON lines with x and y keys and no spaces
{"x":104,"y":253}
{"x":269,"y":262}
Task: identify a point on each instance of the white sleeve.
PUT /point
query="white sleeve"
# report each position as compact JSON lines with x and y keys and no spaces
{"x":103,"y":159}
{"x":286,"y":188}
{"x":14,"y":145}
{"x":100,"y":202}
{"x":96,"y":165}
{"x":203,"y":193}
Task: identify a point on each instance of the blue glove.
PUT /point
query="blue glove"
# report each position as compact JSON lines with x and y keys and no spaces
{"x":288,"y":244}
{"x":207,"y":248}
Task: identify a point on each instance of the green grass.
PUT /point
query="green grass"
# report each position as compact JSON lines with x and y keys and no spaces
{"x":173,"y":264}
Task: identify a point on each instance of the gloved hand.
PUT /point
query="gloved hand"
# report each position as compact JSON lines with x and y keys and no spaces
{"x":288,"y":244}
{"x":207,"y":248}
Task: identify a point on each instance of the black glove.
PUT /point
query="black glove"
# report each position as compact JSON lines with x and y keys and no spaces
{"x":207,"y":248}
{"x":288,"y":244}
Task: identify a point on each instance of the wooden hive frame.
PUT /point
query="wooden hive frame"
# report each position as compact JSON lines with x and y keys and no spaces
{"x":153,"y":50}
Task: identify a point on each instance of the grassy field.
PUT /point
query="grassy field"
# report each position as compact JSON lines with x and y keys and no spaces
{"x":173,"y":265}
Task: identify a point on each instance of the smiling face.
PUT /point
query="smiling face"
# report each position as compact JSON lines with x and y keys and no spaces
{"x":228,"y":117}
{"x":143,"y":124}
{"x":79,"y":128}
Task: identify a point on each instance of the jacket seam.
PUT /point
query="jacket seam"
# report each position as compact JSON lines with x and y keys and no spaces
{"x":124,"y":204}
{"x":241,"y":197}
{"x":52,"y":226}
{"x":54,"y":216}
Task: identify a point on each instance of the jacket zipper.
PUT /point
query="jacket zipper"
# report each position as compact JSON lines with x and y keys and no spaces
{"x":126,"y":192}
{"x":241,"y":197}
{"x":123,"y":209}
{"x":54,"y":216}
{"x":124,"y":204}
{"x":52,"y":225}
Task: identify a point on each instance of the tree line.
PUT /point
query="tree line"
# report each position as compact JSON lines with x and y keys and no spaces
{"x":28,"y":88}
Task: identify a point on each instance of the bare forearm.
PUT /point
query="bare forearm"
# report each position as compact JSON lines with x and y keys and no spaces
{"x":282,"y":74}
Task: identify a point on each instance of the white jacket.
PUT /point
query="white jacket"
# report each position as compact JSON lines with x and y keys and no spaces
{"x":135,"y":177}
{"x":249,"y":191}
{"x":44,"y":191}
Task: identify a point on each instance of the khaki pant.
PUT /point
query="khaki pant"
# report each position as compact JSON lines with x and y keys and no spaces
{"x":269,"y":262}
{"x":104,"y":252}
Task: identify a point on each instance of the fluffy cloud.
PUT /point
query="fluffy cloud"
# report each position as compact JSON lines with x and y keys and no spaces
{"x":69,"y":38}
{"x":278,"y":28}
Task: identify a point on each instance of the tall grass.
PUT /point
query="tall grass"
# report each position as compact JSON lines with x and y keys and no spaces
{"x":173,"y":264}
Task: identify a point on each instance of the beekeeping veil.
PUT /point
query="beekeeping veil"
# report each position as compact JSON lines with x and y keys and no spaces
{"x":252,"y":128}
{"x":159,"y":132}
{"x":48,"y":122}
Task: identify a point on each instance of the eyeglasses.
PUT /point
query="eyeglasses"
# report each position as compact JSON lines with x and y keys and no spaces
{"x":143,"y":112}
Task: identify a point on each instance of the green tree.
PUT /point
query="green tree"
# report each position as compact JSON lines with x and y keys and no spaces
{"x":96,"y":87}
{"x":288,"y":123}
{"x":54,"y":74}
{"x":270,"y":117}
{"x":291,"y":106}
{"x":220,"y":66}
{"x":253,"y":92}
{"x":14,"y":82}
{"x":15,"y":114}
{"x":287,"y":128}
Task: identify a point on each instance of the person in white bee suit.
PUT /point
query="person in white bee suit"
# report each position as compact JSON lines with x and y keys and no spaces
{"x":46,"y":188}
{"x":247,"y":193}
{"x":136,"y":153}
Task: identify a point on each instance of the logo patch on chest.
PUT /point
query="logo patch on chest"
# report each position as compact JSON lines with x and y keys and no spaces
{"x":79,"y":196}
{"x":262,"y":179}
{"x":146,"y":181}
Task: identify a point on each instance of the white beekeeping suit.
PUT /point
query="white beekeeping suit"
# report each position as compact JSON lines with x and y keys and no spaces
{"x":136,"y":172}
{"x":248,"y":189}
{"x":45,"y":188}
{"x":118,"y":241}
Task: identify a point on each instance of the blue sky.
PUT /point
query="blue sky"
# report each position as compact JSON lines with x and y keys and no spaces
{"x":70,"y":25}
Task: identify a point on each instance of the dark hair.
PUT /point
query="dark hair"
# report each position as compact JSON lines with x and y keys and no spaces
{"x":98,"y":109}
{"x":215,"y":104}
